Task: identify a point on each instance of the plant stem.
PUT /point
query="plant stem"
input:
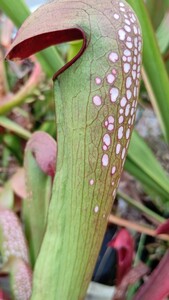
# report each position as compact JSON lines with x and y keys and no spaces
{"x":140,"y":249}
{"x":137,"y":227}
{"x":7,"y":105}
{"x":14,"y":127}
{"x":132,"y":289}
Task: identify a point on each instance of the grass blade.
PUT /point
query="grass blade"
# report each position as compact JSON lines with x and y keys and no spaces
{"x":156,"y":10}
{"x":142,"y":164}
{"x":154,"y":67}
{"x":139,"y":206}
{"x":163,"y":33}
{"x":14,"y":127}
{"x":11,"y":7}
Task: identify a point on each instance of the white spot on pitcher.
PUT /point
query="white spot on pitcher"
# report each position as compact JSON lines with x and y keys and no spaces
{"x":98,"y":80}
{"x":91,"y":181}
{"x":106,"y":139}
{"x":96,"y":209}
{"x":97,"y":100}
{"x":113,"y":171}
{"x":122,"y":34}
{"x":113,"y":56}
{"x":118,"y":148}
{"x":114,"y":93}
{"x":105,"y":160}
{"x":110,"y":78}
{"x":120,"y":132}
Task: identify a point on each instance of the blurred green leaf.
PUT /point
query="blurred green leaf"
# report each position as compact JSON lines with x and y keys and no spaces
{"x":74,"y":48}
{"x":157,"y":9}
{"x":155,"y":76}
{"x":35,"y":207}
{"x":163,"y":33}
{"x":143,"y":165}
{"x":7,"y":196}
{"x":13,"y":144}
{"x":14,"y":127}
{"x":139,"y":206}
{"x":49,"y":127}
{"x":50,"y":60}
{"x":11,"y":7}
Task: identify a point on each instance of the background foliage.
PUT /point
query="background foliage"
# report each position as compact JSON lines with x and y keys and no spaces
{"x":144,"y":187}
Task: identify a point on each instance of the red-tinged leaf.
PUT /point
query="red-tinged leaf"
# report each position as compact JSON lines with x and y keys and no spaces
{"x":18,"y":183}
{"x":43,"y":147}
{"x":124,"y":244}
{"x":157,"y":286}
{"x":163,"y":228}
{"x":3,"y":296}
{"x":21,"y":279}
{"x":12,"y":241}
{"x":131,"y":277}
{"x":6,"y":32}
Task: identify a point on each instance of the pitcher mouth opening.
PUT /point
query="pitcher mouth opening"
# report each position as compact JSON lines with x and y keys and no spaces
{"x":42,"y":41}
